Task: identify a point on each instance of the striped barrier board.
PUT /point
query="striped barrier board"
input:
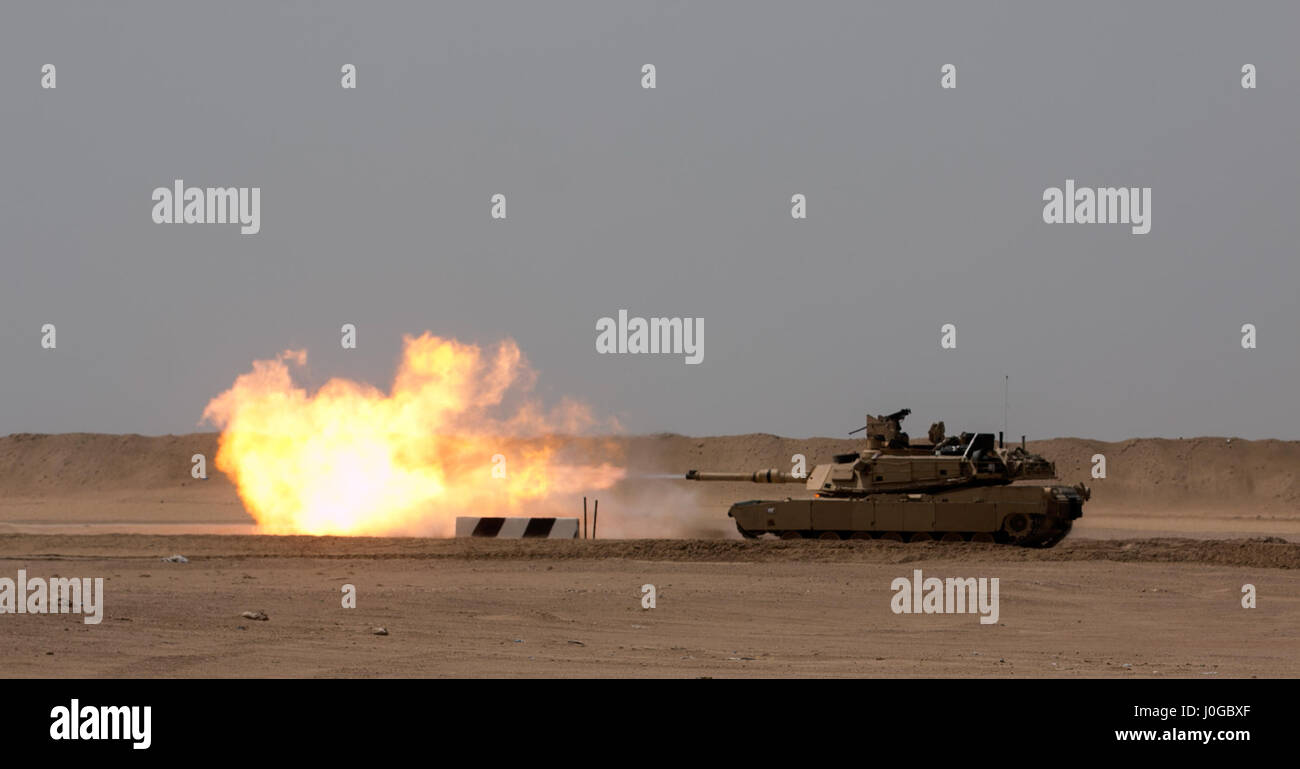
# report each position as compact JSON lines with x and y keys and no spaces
{"x":517,"y":528}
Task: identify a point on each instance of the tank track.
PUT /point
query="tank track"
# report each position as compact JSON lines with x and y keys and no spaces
{"x":1041,"y":531}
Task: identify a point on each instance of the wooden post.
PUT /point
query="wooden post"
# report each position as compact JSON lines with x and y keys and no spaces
{"x":595,"y":515}
{"x":584,"y":517}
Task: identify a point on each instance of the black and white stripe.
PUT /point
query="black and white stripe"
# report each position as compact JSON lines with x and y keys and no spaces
{"x":517,"y":528}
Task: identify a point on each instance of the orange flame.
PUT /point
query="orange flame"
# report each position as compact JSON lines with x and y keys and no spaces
{"x":352,"y":460}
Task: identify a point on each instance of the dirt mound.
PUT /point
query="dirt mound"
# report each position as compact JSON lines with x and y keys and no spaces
{"x":1224,"y":475}
{"x":75,"y":463}
{"x":1193,"y":477}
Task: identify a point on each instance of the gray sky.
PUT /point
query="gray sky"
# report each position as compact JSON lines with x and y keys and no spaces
{"x":924,"y":207}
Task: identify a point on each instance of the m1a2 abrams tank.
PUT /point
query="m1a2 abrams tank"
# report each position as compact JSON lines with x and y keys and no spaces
{"x":952,"y":488}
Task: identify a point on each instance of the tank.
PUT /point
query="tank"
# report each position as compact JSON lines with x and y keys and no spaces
{"x":967,"y":487}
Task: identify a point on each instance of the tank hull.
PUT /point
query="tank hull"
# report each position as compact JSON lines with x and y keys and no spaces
{"x":1031,"y":516}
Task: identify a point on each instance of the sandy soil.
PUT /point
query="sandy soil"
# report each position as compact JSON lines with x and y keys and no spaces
{"x":1148,"y":585}
{"x":1165,"y":608}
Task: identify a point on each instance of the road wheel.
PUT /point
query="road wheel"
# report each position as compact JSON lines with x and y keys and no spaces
{"x":952,"y":536}
{"x":860,"y":535}
{"x":981,"y":536}
{"x":791,"y":535}
{"x":921,"y":536}
{"x":828,"y":535}
{"x":1019,"y":527}
{"x":892,"y":536}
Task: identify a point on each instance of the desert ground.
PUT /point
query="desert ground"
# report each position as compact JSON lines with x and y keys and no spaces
{"x":1149,"y":584}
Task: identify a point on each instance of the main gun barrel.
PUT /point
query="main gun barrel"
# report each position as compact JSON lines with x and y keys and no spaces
{"x":758,"y":476}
